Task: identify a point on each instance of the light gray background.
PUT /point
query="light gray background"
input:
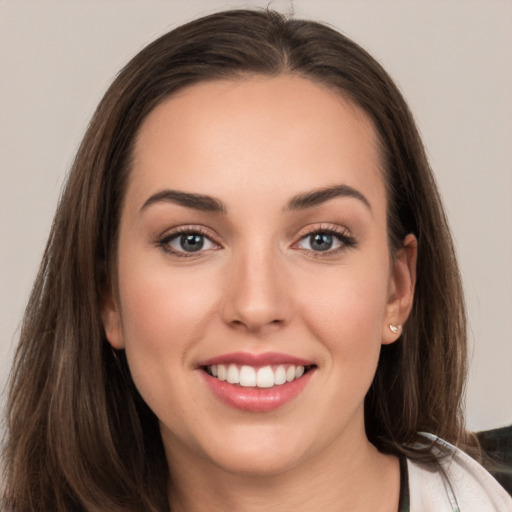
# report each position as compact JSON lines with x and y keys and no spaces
{"x":452,"y":60}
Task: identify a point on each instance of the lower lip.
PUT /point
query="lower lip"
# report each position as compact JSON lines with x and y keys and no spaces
{"x":256,"y":399}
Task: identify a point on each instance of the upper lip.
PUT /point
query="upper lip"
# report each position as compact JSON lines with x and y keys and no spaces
{"x":250,"y":359}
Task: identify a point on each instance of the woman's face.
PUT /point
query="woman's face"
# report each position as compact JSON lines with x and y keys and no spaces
{"x":253,"y":247}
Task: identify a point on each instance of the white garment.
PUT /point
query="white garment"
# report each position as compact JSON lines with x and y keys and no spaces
{"x":462,"y":485}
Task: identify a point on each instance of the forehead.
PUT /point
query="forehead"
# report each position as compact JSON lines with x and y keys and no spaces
{"x":263,"y":134}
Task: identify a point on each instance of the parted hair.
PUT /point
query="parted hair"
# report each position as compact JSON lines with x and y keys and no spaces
{"x":79,"y":436}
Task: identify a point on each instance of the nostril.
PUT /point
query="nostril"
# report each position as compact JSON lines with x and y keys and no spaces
{"x":255,"y":324}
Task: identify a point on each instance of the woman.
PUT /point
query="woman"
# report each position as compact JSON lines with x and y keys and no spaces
{"x":249,"y":299}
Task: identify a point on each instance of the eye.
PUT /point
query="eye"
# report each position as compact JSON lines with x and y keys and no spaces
{"x":326,"y":241}
{"x":186,"y":243}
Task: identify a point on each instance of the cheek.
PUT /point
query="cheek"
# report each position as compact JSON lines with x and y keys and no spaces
{"x":346,"y":312}
{"x":343,"y":310}
{"x":161,"y":307}
{"x":163,"y":314}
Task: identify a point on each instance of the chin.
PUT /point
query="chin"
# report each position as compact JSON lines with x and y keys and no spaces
{"x":259,"y":464}
{"x":264,"y":453}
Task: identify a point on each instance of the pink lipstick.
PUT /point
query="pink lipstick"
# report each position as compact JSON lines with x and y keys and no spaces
{"x":256,"y":382}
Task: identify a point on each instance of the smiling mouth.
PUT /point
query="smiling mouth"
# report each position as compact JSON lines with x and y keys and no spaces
{"x":262,"y":377}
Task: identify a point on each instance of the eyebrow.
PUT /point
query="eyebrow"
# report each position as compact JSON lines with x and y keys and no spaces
{"x":199,"y":202}
{"x":320,"y":196}
{"x":210,"y":204}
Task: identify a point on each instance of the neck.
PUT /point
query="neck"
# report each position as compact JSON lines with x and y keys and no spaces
{"x":353,"y":477}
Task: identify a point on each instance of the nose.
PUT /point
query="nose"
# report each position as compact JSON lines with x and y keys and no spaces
{"x":256,"y":298}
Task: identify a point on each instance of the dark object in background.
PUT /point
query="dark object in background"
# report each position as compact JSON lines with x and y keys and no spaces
{"x":497,"y":447}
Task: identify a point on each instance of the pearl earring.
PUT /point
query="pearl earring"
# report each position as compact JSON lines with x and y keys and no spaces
{"x":395,"y":329}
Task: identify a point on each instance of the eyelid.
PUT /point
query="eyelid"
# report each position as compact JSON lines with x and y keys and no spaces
{"x":343,"y":234}
{"x":324,"y":228}
{"x":164,"y":240}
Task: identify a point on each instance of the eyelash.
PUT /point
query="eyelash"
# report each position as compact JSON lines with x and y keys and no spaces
{"x":341,"y":234}
{"x":163,"y":243}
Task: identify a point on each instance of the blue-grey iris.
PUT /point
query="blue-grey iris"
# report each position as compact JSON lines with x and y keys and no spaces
{"x":321,"y":241}
{"x":192,"y":242}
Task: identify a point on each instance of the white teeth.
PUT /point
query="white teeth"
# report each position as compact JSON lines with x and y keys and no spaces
{"x":264,"y":377}
{"x":280,"y":375}
{"x":247,"y":376}
{"x":221,"y":372}
{"x":232,"y":375}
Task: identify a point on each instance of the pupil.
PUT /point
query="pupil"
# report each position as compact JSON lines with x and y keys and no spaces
{"x":321,"y":241}
{"x":191,"y":243}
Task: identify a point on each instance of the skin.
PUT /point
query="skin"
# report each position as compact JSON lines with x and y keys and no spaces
{"x":257,"y":287}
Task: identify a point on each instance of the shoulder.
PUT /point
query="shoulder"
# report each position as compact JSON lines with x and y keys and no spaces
{"x":456,"y":484}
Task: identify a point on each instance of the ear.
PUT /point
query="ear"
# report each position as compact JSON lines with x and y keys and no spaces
{"x":401,"y":290}
{"x":111,"y":319}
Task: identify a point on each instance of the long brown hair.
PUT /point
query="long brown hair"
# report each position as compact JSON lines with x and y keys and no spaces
{"x":79,"y":435}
